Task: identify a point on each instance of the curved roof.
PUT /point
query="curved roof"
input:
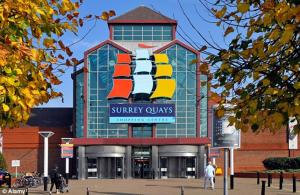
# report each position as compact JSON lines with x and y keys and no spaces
{"x":142,"y":15}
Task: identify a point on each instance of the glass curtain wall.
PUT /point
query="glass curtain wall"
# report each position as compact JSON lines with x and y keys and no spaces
{"x":185,"y":96}
{"x":203,"y":106}
{"x":142,"y":32}
{"x":101,"y":66}
{"x":79,"y":105}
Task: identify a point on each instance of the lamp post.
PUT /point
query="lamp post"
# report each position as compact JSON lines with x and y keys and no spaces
{"x":67,"y":141}
{"x":46,"y":135}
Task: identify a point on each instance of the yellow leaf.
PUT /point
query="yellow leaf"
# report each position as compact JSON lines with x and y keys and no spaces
{"x":297,"y":85}
{"x":228,"y":30}
{"x":5,"y":107}
{"x":220,"y":13}
{"x":288,"y":34}
{"x":243,"y":7}
{"x":2,"y":90}
{"x":18,"y":71}
{"x":266,"y":82}
{"x":274,"y":34}
{"x":105,"y":16}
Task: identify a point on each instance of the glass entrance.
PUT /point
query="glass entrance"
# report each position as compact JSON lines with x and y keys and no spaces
{"x":110,"y":167}
{"x":177,"y":167}
{"x":92,"y":168}
{"x":141,"y":162}
{"x":142,"y":168}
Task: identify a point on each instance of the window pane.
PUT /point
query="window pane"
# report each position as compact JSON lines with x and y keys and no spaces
{"x":127,"y":37}
{"x":147,"y":27}
{"x":127,"y":27}
{"x":137,"y":27}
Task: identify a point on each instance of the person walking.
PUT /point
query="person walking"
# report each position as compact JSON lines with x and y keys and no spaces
{"x":54,"y":176}
{"x":209,"y":175}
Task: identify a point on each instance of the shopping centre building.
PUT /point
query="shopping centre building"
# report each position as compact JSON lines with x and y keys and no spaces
{"x":141,"y":110}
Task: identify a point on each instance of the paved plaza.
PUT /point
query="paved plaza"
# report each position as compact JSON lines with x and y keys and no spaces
{"x":243,"y":186}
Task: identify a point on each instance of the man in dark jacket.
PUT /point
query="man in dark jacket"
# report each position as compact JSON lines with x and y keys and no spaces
{"x":54,"y":179}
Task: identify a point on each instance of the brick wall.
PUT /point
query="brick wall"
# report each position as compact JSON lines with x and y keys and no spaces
{"x":257,"y":147}
{"x":26,"y":145}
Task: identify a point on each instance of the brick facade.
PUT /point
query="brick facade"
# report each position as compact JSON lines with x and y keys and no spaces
{"x":257,"y":147}
{"x":25,"y":144}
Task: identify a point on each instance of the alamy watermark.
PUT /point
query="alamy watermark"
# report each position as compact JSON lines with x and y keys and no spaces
{"x":12,"y":191}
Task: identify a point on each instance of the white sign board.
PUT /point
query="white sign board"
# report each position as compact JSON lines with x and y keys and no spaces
{"x":293,"y":138}
{"x":223,"y":135}
{"x":15,"y":163}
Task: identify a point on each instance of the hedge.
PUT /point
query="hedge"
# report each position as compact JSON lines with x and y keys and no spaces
{"x":282,"y":163}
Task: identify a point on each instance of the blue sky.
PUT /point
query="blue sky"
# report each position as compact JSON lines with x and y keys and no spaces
{"x":99,"y":33}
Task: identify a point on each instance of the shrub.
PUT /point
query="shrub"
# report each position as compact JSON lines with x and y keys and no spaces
{"x":282,"y":163}
{"x":2,"y":162}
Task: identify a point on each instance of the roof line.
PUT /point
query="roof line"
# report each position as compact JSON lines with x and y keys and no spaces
{"x":176,"y":41}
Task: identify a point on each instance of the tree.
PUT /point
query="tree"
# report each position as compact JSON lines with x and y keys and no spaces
{"x":259,"y":71}
{"x":33,"y":53}
{"x":2,"y":162}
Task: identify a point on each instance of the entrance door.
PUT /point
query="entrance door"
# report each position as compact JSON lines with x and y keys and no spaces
{"x":110,"y":167}
{"x":142,"y":168}
{"x":92,"y":168}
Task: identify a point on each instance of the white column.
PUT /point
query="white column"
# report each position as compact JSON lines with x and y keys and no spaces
{"x":213,"y":160}
{"x":231,"y":161}
{"x":67,"y":165}
{"x":46,"y":157}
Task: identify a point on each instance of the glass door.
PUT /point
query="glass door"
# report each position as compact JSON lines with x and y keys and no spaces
{"x":190,"y":167}
{"x":92,"y":168}
{"x":163,"y":167}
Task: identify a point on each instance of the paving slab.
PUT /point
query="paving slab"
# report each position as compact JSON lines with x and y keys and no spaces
{"x":243,"y":186}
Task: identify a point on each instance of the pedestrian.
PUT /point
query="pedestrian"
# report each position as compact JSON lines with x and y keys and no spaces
{"x":209,"y":175}
{"x":54,"y":176}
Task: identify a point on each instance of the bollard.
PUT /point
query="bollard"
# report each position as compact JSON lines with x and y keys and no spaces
{"x":9,"y":181}
{"x":263,"y":187}
{"x":26,"y":191}
{"x":257,"y":176}
{"x":294,"y":184}
{"x":231,"y":182}
{"x":182,"y":190}
{"x":45,"y":184}
{"x":87,"y":191}
{"x":269,"y":179}
{"x":67,"y":178}
{"x":280,"y":181}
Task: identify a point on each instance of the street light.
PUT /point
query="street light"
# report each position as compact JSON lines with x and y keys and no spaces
{"x":46,"y":135}
{"x":67,"y":141}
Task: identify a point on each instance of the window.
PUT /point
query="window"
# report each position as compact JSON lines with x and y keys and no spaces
{"x":101,"y":63}
{"x":185,"y":96}
{"x":142,"y":32}
{"x":142,"y":130}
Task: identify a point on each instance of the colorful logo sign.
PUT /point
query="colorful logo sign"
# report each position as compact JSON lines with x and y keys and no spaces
{"x":66,"y":150}
{"x":151,"y":76}
{"x":142,"y":113}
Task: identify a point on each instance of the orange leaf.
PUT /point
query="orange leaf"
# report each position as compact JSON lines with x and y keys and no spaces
{"x":104,"y":16}
{"x":228,"y":31}
{"x":61,"y":44}
{"x":111,"y":13}
{"x":80,"y":22}
{"x":69,"y":52}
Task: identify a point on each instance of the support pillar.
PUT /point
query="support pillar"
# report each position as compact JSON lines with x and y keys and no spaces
{"x":128,"y":163}
{"x":82,"y":168}
{"x":201,"y":161}
{"x":155,"y":161}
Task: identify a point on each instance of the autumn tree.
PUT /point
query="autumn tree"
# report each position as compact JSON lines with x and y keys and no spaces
{"x":258,"y":72}
{"x":33,"y":52}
